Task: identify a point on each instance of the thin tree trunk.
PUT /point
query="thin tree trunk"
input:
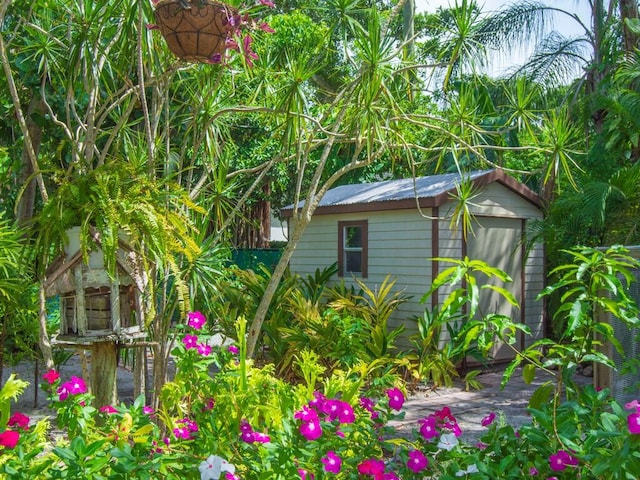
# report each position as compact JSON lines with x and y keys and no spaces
{"x":43,"y":340}
{"x":27,"y":200}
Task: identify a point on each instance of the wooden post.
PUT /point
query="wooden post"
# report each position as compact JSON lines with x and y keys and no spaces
{"x":81,"y":313}
{"x":103,"y":373}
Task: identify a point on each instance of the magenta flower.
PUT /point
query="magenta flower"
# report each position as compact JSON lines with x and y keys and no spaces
{"x":417,"y":461}
{"x":19,"y":420}
{"x":9,"y":438}
{"x":233,"y":349}
{"x":147,"y":410}
{"x":346,"y":413}
{"x":304,"y":475}
{"x":51,"y":376}
{"x":209,"y":404}
{"x":373,"y":467}
{"x":196,"y":320}
{"x":332,"y":462}
{"x":268,"y":3}
{"x":108,"y":409}
{"x":311,"y":430}
{"x":63,"y":392}
{"x":428,"y":428}
{"x":331,"y":409}
{"x":533,"y":471}
{"x":204,"y":349}
{"x":77,"y":386}
{"x":634,"y":423}
{"x":396,"y":398}
{"x":260,"y":437}
{"x":231,"y":476}
{"x":182,"y":432}
{"x":190,"y":341}
{"x":306,"y":414}
{"x":488,"y":420}
{"x":561,"y":460}
{"x":318,"y":401}
{"x":390,"y":476}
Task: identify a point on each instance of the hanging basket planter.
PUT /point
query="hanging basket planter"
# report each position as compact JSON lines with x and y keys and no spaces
{"x":196,"y":30}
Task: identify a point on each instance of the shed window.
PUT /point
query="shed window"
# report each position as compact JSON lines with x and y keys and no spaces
{"x":352,"y":248}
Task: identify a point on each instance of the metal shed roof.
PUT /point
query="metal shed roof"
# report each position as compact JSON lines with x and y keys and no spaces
{"x":403,"y":193}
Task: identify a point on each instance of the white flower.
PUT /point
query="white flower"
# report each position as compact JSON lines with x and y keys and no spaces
{"x":213,"y":466}
{"x":471,"y":469}
{"x":448,"y":441}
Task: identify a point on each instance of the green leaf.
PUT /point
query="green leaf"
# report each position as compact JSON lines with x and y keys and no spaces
{"x":541,"y":395}
{"x":529,"y":373}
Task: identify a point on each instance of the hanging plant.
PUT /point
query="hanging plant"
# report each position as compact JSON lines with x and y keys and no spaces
{"x":203,"y":30}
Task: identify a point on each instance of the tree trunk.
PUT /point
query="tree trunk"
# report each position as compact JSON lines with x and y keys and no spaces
{"x":261,"y":312}
{"x":104,"y":363}
{"x":631,"y":40}
{"x":27,"y":200}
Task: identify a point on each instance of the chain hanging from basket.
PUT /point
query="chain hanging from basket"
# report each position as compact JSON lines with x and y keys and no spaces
{"x":202,"y":30}
{"x":196,"y":31}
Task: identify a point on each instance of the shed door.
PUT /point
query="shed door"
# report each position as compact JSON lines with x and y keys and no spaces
{"x":496,"y":242}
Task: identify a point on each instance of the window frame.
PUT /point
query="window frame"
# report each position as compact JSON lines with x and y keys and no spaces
{"x":364,"y":225}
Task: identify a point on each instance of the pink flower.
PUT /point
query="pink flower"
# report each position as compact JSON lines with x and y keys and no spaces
{"x":9,"y":438}
{"x":390,"y":476}
{"x":632,"y":404}
{"x":182,"y":432}
{"x":147,"y":410}
{"x":249,"y":54}
{"x":318,"y":401}
{"x":306,"y":414}
{"x":190,"y":341}
{"x":63,"y":392}
{"x":533,"y":471}
{"x":260,"y":437}
{"x":19,"y":420}
{"x":634,"y":423}
{"x":346,"y":413}
{"x":396,"y":398}
{"x":264,"y":26}
{"x":428,"y":428}
{"x":444,"y":415}
{"x":417,"y":461}
{"x":196,"y":320}
{"x":152,"y":26}
{"x":311,"y":430}
{"x":561,"y":460}
{"x":304,"y":475}
{"x":373,"y":467}
{"x":77,"y":386}
{"x":51,"y":376}
{"x":268,"y":3}
{"x":332,"y":462}
{"x":233,"y":349}
{"x":488,"y":420}
{"x":209,"y":404}
{"x":204,"y":349}
{"x":108,"y":409}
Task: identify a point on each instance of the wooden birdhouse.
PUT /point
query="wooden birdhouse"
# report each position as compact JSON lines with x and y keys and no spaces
{"x":96,"y":306}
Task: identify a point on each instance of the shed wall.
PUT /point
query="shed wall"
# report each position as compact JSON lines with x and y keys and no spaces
{"x":400,"y":245}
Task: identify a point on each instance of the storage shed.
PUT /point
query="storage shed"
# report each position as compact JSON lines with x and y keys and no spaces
{"x":399,"y":227}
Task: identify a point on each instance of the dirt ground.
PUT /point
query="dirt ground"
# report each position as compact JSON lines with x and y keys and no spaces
{"x":34,"y":402}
